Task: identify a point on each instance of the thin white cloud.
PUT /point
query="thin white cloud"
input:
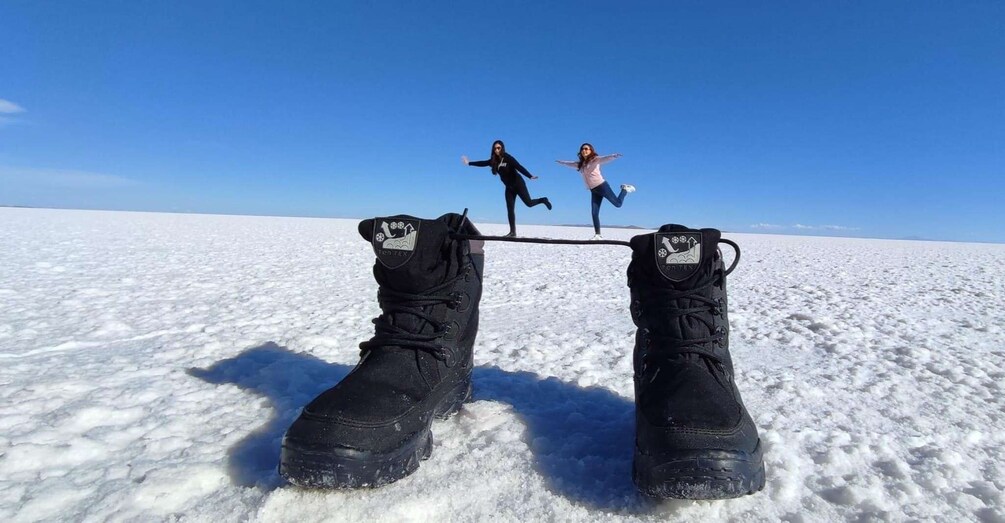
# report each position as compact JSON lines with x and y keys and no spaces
{"x":63,"y":178}
{"x":803,"y":227}
{"x":8,"y":107}
{"x":839,"y":228}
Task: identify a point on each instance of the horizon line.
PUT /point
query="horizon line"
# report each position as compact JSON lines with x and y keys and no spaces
{"x":630,"y":227}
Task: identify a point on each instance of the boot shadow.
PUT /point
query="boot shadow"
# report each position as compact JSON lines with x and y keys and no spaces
{"x":582,"y":439}
{"x":289,"y":380}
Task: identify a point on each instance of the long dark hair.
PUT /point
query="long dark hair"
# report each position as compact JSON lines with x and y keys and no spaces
{"x":583,"y":160}
{"x":496,"y":159}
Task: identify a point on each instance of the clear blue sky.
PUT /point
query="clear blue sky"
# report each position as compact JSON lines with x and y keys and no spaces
{"x":882,"y":119}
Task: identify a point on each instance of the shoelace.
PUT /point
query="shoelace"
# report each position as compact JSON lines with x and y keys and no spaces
{"x":538,"y":240}
{"x":559,"y":241}
{"x":707,"y":308}
{"x":396,"y":303}
{"x":389,"y":334}
{"x":690,"y":345}
{"x":672,"y":345}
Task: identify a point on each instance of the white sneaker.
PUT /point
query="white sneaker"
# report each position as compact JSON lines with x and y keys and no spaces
{"x":628,"y":188}
{"x":597,"y":237}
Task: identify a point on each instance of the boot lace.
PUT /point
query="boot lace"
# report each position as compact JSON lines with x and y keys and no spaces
{"x":671,"y":346}
{"x":394,"y":304}
{"x":703,"y":312}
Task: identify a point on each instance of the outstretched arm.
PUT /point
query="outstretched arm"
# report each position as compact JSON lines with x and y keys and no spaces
{"x":521,"y":169}
{"x":601,"y":160}
{"x":568,"y":163}
{"x":479,"y":163}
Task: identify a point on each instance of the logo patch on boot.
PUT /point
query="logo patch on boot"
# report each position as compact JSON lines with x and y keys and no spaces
{"x":394,"y":240}
{"x":678,"y":254}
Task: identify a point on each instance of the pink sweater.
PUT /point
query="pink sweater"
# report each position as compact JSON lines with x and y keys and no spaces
{"x":591,"y":171}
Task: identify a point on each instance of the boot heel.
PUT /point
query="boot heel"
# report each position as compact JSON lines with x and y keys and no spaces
{"x":454,"y":399}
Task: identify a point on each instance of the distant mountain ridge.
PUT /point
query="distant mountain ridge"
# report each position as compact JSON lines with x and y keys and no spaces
{"x":608,"y":226}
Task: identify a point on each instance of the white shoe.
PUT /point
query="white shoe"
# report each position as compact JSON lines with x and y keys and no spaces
{"x":628,"y":188}
{"x":597,"y":237}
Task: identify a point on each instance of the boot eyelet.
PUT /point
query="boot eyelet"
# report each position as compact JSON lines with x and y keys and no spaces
{"x":636,"y":308}
{"x":646,"y":339}
{"x":462,"y":302}
{"x":449,"y":358}
{"x":450,"y":330}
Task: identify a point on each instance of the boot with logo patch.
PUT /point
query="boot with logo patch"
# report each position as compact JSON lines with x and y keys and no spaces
{"x":693,"y":437}
{"x":373,"y":427}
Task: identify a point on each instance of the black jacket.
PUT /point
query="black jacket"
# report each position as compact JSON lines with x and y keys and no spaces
{"x":507,"y":169}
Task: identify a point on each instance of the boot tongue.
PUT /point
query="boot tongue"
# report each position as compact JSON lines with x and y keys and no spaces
{"x":674,"y":256}
{"x":412,"y":254}
{"x":678,"y":258}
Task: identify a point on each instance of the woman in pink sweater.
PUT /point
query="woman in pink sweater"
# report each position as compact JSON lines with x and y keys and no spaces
{"x":589,"y":168}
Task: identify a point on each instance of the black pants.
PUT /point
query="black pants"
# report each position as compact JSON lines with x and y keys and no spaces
{"x":516,"y":188}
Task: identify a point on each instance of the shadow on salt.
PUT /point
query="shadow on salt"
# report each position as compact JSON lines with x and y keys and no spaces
{"x":581,"y":438}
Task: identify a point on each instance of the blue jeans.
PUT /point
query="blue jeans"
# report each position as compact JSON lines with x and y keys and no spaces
{"x":597,"y":195}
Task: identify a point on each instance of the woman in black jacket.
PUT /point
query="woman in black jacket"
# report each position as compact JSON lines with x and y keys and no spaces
{"x":509,"y":171}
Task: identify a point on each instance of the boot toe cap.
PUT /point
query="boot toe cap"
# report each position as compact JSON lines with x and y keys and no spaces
{"x":380,"y":422}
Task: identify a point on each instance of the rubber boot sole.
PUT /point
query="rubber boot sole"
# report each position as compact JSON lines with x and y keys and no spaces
{"x":345,"y":468}
{"x":699,"y":474}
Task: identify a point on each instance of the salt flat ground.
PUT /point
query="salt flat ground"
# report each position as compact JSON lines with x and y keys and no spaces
{"x":150,"y":363}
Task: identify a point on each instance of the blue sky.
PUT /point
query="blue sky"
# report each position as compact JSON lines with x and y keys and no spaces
{"x":883,"y":119}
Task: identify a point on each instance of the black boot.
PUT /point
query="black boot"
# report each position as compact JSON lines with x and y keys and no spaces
{"x":373,"y":427}
{"x":693,"y":436}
